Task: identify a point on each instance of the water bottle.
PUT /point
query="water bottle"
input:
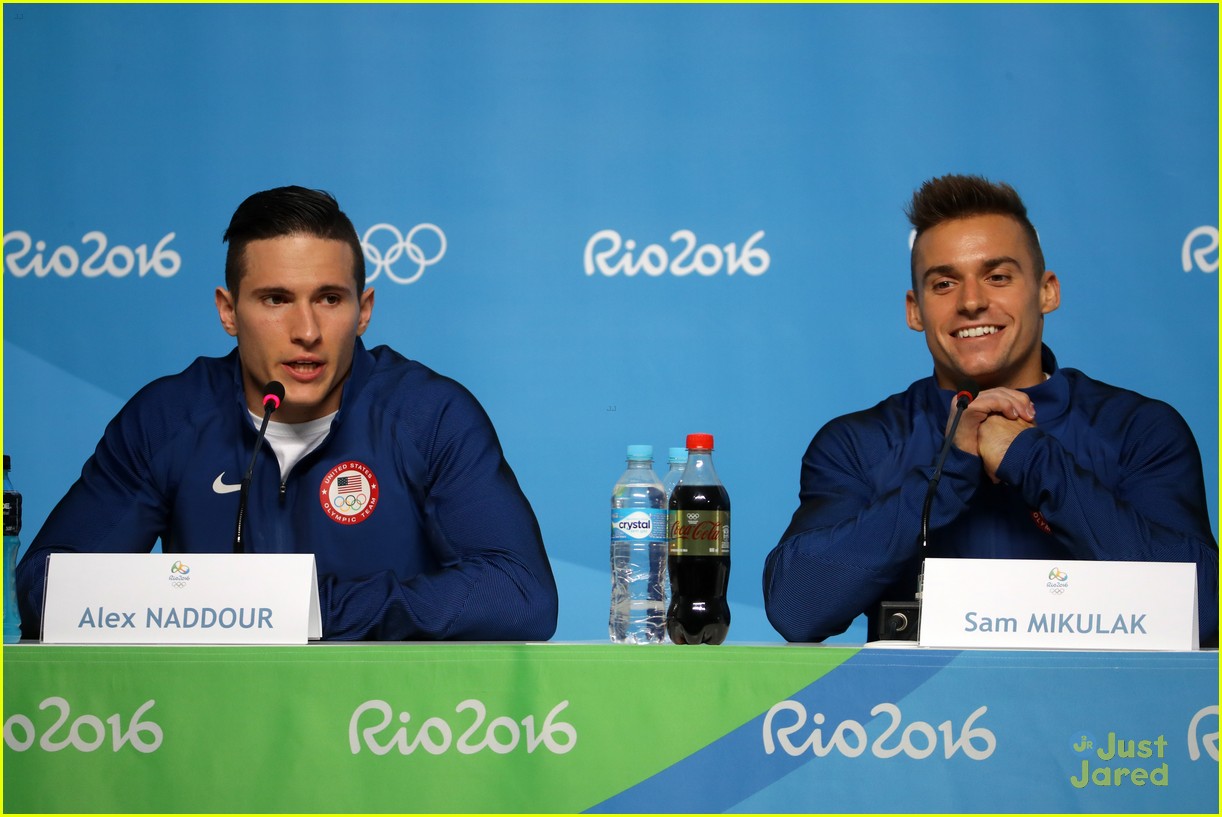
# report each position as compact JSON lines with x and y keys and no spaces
{"x":638,"y":553}
{"x":12,"y":544}
{"x":677,"y":460}
{"x":699,"y":561}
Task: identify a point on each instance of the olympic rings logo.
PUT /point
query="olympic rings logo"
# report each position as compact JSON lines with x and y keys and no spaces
{"x":352,"y":502}
{"x":403,"y":245}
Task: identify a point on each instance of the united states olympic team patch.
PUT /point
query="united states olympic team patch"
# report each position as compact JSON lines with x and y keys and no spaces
{"x":349,"y":493}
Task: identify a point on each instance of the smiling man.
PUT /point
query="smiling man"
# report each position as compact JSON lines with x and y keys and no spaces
{"x":1046,"y":463}
{"x":390,"y":474}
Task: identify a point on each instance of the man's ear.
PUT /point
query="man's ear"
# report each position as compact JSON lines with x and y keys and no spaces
{"x":366,"y":312}
{"x":913,"y":310}
{"x":1050,"y":292}
{"x":224,"y":309}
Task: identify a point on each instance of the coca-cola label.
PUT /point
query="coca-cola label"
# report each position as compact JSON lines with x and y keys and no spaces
{"x":12,"y":513}
{"x":637,"y":523}
{"x":699,"y":533}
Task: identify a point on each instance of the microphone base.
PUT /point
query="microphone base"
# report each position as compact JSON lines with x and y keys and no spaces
{"x":898,"y":621}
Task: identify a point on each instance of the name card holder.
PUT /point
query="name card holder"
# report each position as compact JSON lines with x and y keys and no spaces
{"x":1071,"y":605}
{"x":181,"y":598}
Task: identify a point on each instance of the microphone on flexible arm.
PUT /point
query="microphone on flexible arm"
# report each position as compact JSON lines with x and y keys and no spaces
{"x":898,"y":620}
{"x":273,"y":394}
{"x":965,"y":396}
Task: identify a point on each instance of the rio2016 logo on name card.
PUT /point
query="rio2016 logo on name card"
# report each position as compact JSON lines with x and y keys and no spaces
{"x":179,"y":575}
{"x":607,"y":252}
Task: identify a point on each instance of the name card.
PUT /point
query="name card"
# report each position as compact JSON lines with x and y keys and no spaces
{"x":181,"y":598}
{"x":1072,"y":605}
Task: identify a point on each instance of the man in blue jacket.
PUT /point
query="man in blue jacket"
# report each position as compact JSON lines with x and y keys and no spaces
{"x":1046,"y":463}
{"x":390,"y":474}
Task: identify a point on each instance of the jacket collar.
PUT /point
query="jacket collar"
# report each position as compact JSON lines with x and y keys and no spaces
{"x":362,"y":365}
{"x":1051,"y":397}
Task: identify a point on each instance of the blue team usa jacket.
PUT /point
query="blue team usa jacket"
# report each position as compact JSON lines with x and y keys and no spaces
{"x":417,"y":522}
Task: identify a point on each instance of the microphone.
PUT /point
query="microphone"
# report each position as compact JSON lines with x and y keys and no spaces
{"x":966,"y":395}
{"x":900,"y":620}
{"x":273,"y":394}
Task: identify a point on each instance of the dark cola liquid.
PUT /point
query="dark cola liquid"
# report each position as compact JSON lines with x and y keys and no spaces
{"x":699,"y":612}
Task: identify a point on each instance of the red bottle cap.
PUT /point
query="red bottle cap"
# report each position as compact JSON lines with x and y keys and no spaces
{"x":700,"y":441}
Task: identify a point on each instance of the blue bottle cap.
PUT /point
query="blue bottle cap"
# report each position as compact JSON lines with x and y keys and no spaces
{"x":640,"y":452}
{"x":677,"y":454}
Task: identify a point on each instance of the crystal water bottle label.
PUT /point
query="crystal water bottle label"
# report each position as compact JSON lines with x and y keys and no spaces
{"x":637,"y":523}
{"x":699,"y":533}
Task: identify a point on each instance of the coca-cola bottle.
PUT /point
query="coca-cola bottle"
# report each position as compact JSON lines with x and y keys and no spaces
{"x":698,"y":527}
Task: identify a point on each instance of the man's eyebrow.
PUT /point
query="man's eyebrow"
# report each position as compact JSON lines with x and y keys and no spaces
{"x":987,"y":264}
{"x":990,"y":263}
{"x":940,"y":269}
{"x":269,"y":290}
{"x":321,"y":289}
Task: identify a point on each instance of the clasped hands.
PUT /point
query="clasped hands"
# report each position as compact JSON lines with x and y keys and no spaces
{"x":990,"y":423}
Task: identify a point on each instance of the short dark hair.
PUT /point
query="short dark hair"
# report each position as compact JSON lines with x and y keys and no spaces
{"x":946,"y":198}
{"x":285,"y":211}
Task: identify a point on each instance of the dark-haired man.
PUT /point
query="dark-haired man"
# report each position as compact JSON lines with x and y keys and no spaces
{"x":390,"y":474}
{"x":1045,"y":463}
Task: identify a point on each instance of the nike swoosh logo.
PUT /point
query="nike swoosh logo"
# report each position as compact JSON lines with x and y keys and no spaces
{"x":221,"y":487}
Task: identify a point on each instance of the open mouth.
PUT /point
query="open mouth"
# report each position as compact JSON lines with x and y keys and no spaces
{"x":304,"y":368}
{"x":976,"y":331}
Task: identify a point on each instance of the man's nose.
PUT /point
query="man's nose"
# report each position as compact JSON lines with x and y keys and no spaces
{"x":973,"y":297}
{"x":305,"y":328}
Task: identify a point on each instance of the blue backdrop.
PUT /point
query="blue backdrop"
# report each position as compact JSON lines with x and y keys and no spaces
{"x":748,"y":163}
